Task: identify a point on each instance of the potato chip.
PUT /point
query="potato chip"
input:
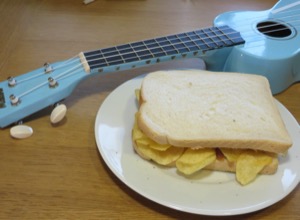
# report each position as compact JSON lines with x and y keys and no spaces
{"x":160,"y":147}
{"x":137,"y":133}
{"x":148,"y":142}
{"x":139,"y":137}
{"x":161,"y":157}
{"x":231,"y":155}
{"x":137,"y":94}
{"x":193,"y":160}
{"x":142,"y":142}
{"x":249,"y":164}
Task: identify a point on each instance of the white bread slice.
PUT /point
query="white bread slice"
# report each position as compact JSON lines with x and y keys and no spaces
{"x":196,"y":108}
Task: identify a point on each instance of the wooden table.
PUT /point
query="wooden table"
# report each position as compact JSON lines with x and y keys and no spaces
{"x":58,"y":173}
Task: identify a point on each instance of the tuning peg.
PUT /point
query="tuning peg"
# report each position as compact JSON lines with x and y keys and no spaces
{"x":21,"y":131}
{"x":52,"y":82}
{"x":11,"y":81}
{"x":58,"y":113}
{"x":14,"y":100}
{"x":47,"y":68}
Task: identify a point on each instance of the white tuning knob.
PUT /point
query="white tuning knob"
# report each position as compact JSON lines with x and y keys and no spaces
{"x":21,"y":131}
{"x":58,"y":113}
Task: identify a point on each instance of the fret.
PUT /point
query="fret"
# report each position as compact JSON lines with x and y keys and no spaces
{"x":115,"y":60}
{"x":97,"y":63}
{"x":170,"y":50}
{"x":152,"y":50}
{"x":124,"y":51}
{"x":123,"y":47}
{"x":200,"y":43}
{"x":232,"y":35}
{"x":183,"y":37}
{"x":206,"y":39}
{"x":162,"y":41}
{"x":136,"y":44}
{"x":148,"y":42}
{"x":118,"y":59}
{"x":211,"y":37}
{"x":130,"y":57}
{"x":91,"y":53}
{"x":177,"y":43}
{"x":190,"y":44}
{"x":108,"y":50}
{"x":221,"y":36}
{"x":146,"y":54}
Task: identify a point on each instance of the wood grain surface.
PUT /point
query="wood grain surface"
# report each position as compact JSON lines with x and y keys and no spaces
{"x":58,"y":173}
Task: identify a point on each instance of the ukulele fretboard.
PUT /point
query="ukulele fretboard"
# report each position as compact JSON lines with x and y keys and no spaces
{"x":163,"y":48}
{"x":2,"y":99}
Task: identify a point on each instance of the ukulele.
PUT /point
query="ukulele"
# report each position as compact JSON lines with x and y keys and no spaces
{"x":264,"y":42}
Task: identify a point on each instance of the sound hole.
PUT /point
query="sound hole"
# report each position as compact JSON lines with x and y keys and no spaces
{"x":274,"y":29}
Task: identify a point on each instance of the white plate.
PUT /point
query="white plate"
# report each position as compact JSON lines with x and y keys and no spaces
{"x":208,"y":193}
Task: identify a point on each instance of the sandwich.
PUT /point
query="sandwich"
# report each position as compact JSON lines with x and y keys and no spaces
{"x":199,"y":120}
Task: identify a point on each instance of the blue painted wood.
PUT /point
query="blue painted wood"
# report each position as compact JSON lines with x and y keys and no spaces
{"x":151,"y":51}
{"x":242,"y":41}
{"x":272,"y":54}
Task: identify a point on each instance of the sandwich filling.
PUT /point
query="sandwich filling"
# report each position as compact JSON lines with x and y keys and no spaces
{"x":196,"y":120}
{"x":247,"y":164}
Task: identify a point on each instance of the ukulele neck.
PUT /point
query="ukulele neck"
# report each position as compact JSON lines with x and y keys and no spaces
{"x":184,"y":45}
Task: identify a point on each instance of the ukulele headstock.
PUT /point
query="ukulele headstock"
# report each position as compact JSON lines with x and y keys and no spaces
{"x":26,"y":94}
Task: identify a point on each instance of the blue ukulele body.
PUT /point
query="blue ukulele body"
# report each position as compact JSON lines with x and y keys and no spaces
{"x":273,"y":52}
{"x":265,"y":43}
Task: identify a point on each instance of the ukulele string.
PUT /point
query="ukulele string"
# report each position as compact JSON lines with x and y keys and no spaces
{"x":62,"y":65}
{"x":72,"y":60}
{"x":251,"y":39}
{"x":207,"y":38}
{"x":240,"y":27}
{"x":70,"y":72}
{"x":104,"y":57}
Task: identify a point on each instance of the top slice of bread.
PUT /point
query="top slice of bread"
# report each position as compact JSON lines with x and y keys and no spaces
{"x":196,"y":108}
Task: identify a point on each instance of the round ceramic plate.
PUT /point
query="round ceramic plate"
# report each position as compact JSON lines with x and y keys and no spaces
{"x":208,"y":192}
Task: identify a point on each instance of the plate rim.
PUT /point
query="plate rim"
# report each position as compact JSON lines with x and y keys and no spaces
{"x":138,"y":80}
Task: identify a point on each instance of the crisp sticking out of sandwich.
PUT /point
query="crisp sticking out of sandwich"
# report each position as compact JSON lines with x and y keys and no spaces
{"x":195,"y":119}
